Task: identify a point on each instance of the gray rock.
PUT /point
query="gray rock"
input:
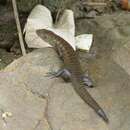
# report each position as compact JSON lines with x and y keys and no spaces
{"x":109,"y":67}
{"x":60,"y":105}
{"x":23,"y":98}
{"x":121,"y":56}
{"x":27,"y":109}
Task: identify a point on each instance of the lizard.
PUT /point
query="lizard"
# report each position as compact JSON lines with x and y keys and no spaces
{"x":71,"y":62}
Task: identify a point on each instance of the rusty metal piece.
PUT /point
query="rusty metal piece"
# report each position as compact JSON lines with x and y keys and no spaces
{"x":125,"y":4}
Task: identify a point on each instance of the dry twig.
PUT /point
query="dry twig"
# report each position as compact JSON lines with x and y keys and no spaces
{"x":95,"y":3}
{"x":16,"y":15}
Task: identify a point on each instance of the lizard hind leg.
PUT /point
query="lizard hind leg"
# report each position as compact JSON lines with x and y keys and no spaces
{"x":87,"y":81}
{"x":63,"y":73}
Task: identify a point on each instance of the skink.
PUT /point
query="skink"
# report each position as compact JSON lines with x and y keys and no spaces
{"x":72,"y":64}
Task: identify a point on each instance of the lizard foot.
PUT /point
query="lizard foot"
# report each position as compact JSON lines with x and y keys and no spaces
{"x":87,"y":81}
{"x":63,"y":73}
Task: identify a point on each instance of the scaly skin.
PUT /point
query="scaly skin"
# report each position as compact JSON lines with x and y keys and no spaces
{"x":72,"y":64}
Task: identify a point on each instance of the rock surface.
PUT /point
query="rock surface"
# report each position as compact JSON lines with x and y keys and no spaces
{"x":40,"y":103}
{"x":109,"y":63}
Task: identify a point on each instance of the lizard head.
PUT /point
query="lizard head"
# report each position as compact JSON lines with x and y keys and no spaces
{"x":42,"y":33}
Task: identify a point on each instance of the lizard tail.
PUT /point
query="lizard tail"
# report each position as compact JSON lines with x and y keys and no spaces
{"x":83,"y":93}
